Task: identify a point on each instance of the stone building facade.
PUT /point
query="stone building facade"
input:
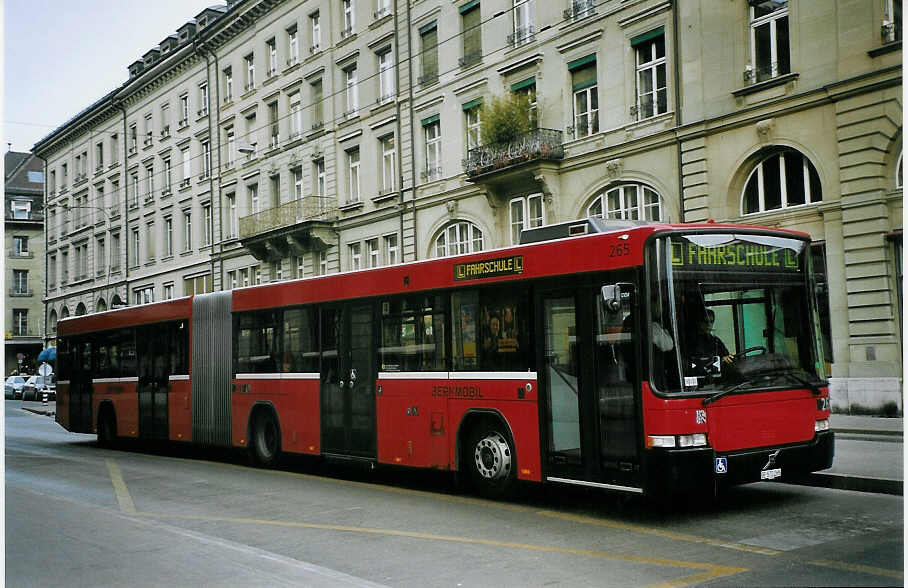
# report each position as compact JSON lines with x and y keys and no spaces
{"x":23,"y":220}
{"x":269,"y":140}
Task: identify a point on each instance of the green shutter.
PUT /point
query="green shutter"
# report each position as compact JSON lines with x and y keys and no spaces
{"x":583,"y":77}
{"x":430,"y":53}
{"x":578,"y":63}
{"x":429,"y":27}
{"x":524,"y":84}
{"x":472,"y":104}
{"x":472,"y":33}
{"x":430,"y":120}
{"x":469,"y":6}
{"x":639,"y":39}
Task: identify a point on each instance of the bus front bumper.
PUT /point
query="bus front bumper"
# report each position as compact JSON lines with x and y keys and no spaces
{"x":673,"y":471}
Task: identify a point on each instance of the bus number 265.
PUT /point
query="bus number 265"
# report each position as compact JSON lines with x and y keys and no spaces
{"x":619,"y":250}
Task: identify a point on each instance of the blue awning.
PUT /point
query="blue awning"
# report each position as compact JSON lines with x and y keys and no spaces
{"x":49,"y":354}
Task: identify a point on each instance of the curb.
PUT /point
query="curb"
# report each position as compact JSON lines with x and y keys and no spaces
{"x":39,"y":411}
{"x":846,"y":482}
{"x":888,"y":433}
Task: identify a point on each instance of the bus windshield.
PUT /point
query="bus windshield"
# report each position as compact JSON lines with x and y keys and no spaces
{"x":738,"y":311}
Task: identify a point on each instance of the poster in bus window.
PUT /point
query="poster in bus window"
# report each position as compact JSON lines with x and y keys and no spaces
{"x":468,"y":333}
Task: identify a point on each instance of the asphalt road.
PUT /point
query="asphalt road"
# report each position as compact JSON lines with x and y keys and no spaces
{"x":78,"y":515}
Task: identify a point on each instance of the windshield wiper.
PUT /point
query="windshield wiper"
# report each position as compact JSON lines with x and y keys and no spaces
{"x":806,"y":383}
{"x":718,"y":395}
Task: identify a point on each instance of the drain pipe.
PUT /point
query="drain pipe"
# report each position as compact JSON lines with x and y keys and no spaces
{"x":44,"y":222}
{"x":400,"y":169}
{"x":212,"y":89}
{"x":677,"y":72}
{"x":412,"y":147}
{"x":125,"y":214}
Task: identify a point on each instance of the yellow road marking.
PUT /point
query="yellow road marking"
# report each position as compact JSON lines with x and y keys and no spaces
{"x":711,"y":570}
{"x":608,"y":523}
{"x":123,"y":497}
{"x":658,"y":532}
{"x":858,"y":568}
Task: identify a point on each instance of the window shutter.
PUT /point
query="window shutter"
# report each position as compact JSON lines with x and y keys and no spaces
{"x":584,"y":76}
{"x":523,"y":85}
{"x":472,"y":37}
{"x":430,"y":51}
{"x":469,"y":6}
{"x":640,"y":39}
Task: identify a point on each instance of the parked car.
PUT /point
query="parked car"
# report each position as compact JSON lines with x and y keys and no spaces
{"x":12,"y":388}
{"x":36,"y":386}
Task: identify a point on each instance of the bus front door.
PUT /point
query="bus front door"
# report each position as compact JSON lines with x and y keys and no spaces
{"x":348,"y":381}
{"x":587,"y":386}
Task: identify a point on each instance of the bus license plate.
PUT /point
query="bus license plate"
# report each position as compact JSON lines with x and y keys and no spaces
{"x":770,"y":474}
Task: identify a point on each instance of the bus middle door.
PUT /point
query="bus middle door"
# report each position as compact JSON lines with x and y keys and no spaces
{"x":348,"y":377}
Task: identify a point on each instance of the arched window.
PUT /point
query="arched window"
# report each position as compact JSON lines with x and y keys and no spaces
{"x":627,"y":202}
{"x":80,"y":310}
{"x":52,"y":321}
{"x":782,"y":179}
{"x":101,"y":306}
{"x":898,"y":173}
{"x":64,"y":313}
{"x":457,"y":238}
{"x":115,"y":302}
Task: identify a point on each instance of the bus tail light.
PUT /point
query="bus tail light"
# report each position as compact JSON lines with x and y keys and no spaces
{"x":819,"y":426}
{"x":693,"y":440}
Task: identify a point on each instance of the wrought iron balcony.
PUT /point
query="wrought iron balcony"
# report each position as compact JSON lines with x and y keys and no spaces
{"x":470,"y":59}
{"x":580,"y":9}
{"x":293,"y":228}
{"x":307,"y":208}
{"x":535,"y":145}
{"x":521,"y":36}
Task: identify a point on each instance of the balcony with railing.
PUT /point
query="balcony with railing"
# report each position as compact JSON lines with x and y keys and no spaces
{"x":528,"y":163}
{"x":536,"y":145}
{"x":578,"y":9}
{"x":292,"y":228}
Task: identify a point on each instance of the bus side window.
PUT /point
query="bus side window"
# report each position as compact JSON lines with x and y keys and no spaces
{"x":300,"y":345}
{"x":413,"y":334}
{"x":504,"y":330}
{"x":464,"y":315}
{"x":128,"y":365}
{"x":258,"y":342}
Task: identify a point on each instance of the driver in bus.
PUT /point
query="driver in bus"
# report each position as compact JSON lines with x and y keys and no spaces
{"x":704,"y":343}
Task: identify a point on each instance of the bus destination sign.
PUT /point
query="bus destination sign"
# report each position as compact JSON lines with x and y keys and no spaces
{"x":737,"y":255}
{"x":490,"y":268}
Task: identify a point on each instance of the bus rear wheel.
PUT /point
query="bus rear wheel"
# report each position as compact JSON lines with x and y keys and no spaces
{"x":491,"y":461}
{"x":265,"y":439}
{"x":107,"y":429}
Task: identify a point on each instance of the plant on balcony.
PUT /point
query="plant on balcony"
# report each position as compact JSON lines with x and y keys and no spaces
{"x":504,"y":118}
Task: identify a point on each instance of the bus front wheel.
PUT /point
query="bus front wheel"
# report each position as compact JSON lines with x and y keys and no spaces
{"x":491,"y":460}
{"x":265,"y":439}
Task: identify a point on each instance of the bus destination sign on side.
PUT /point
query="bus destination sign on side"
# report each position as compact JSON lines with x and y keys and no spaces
{"x":490,"y":268}
{"x":734,"y":256}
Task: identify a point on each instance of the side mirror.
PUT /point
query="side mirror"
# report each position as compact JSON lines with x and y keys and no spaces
{"x":614,"y":295}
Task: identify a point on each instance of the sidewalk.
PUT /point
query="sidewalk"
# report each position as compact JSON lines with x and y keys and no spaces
{"x":869,"y":456}
{"x":866,"y":425}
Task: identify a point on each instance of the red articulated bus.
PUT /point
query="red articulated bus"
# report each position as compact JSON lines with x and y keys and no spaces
{"x":647,"y":358}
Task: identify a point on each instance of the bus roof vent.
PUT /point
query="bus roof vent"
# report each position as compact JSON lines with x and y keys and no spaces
{"x":576,"y":228}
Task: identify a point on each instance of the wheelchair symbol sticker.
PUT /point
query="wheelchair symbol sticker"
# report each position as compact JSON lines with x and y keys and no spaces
{"x":721,"y":465}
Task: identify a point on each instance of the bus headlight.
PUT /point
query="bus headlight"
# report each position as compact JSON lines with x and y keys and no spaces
{"x":693,"y":440}
{"x":819,"y":426}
